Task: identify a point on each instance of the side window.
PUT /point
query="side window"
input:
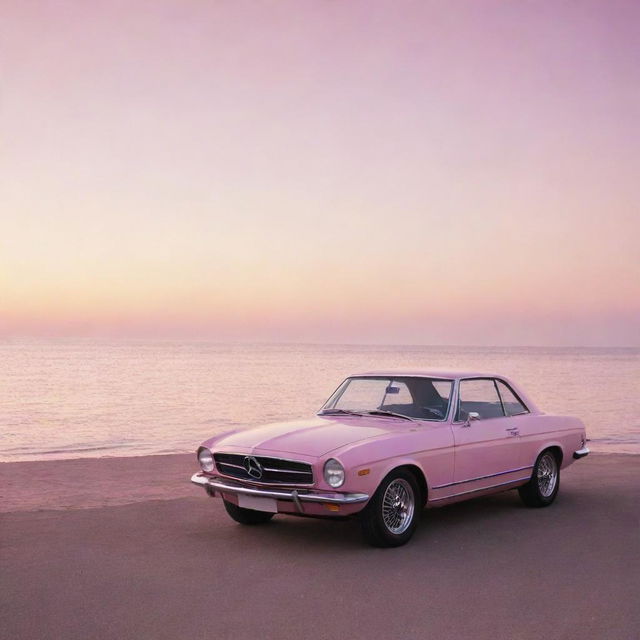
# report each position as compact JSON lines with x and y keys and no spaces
{"x":512,"y":404}
{"x":480,"y":396}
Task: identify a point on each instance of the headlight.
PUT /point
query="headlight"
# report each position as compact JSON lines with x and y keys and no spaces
{"x":206,"y":459}
{"x":334,"y":473}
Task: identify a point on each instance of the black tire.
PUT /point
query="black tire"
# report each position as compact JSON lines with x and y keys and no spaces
{"x":537,"y":492}
{"x":375,"y":527}
{"x":247,"y":516}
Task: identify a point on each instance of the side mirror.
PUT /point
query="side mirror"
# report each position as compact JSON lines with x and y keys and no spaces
{"x":471,"y":417}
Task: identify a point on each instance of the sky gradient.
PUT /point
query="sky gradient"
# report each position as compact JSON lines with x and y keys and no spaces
{"x":321,"y":171}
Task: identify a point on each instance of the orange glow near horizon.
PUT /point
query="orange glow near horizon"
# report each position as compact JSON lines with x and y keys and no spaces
{"x":453,"y":174}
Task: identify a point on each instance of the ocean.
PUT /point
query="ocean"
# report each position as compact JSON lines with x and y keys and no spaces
{"x":90,"y":398}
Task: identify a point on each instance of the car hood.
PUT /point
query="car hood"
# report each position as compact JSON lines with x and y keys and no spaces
{"x":314,"y":437}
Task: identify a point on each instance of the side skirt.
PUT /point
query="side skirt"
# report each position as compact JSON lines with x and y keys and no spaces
{"x":474,"y":493}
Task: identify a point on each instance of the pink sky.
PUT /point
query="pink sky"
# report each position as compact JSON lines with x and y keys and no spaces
{"x":334,"y":171}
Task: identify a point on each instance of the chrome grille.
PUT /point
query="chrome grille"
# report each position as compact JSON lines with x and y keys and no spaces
{"x":273,"y":470}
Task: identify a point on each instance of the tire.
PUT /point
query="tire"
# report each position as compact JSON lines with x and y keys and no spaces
{"x":247,"y":516}
{"x":392,"y":515}
{"x":543,"y":487}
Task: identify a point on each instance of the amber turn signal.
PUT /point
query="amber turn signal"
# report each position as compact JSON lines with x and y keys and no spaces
{"x":364,"y":472}
{"x":332,"y":507}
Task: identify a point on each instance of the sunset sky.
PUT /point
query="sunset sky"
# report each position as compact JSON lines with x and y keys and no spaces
{"x":321,"y":171}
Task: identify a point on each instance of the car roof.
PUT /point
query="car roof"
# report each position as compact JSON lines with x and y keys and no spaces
{"x":428,"y":373}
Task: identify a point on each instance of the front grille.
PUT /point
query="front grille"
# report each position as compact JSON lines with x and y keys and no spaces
{"x":274,"y":470}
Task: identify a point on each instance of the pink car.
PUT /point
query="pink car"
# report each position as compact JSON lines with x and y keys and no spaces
{"x":387,"y":444}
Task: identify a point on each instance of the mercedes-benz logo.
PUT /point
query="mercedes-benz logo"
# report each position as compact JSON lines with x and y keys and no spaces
{"x":253,"y":467}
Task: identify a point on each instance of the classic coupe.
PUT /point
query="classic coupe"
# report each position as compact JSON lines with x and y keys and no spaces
{"x":387,"y":444}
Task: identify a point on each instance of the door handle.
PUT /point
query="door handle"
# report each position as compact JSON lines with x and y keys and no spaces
{"x":513,"y":431}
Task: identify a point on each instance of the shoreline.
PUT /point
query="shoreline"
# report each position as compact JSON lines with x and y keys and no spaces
{"x":85,"y":483}
{"x":595,"y":447}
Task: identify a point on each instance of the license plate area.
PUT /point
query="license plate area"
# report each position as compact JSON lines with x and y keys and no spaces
{"x":257,"y":503}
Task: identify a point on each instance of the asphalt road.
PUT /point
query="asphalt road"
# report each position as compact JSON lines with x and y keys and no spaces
{"x":179,"y":568}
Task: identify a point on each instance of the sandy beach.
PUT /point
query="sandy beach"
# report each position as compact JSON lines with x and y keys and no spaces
{"x":127,"y":548}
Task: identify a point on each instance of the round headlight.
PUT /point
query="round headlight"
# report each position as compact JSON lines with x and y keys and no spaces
{"x":206,"y":459}
{"x":334,"y":473}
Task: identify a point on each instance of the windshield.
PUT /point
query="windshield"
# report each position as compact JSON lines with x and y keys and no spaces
{"x":415,"y":398}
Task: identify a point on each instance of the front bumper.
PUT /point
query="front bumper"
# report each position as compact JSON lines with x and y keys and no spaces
{"x":296,"y":496}
{"x":581,"y":453}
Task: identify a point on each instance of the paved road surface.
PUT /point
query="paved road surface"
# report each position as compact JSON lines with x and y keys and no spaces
{"x":179,"y":568}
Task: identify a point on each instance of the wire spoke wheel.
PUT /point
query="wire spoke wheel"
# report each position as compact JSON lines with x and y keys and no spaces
{"x":547,"y":474}
{"x":543,"y":487}
{"x":398,"y":506}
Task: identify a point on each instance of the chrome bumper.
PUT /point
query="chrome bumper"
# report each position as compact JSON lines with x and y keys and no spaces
{"x":293,"y":495}
{"x":581,"y":453}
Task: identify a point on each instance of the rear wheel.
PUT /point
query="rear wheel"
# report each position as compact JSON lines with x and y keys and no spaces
{"x":391,"y":516}
{"x":247,"y":516}
{"x":543,"y":487}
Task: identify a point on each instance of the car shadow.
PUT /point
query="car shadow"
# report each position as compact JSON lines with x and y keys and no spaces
{"x":455,"y":520}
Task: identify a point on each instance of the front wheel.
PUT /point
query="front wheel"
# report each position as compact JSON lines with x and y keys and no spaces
{"x":246,"y":516}
{"x":391,"y":516}
{"x":543,"y":487}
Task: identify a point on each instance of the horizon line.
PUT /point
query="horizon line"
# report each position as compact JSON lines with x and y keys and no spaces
{"x":305,"y":343}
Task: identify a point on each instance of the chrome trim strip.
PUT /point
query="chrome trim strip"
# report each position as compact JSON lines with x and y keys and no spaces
{"x":308,"y":473}
{"x":581,"y":453}
{"x":492,"y":486}
{"x":492,"y":475}
{"x":259,"y":483}
{"x":257,"y":455}
{"x":230,"y":464}
{"x":223,"y":487}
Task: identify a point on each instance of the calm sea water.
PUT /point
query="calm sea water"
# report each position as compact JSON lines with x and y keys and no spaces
{"x":71,"y":399}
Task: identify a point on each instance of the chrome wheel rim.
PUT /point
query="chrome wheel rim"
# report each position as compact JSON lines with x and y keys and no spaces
{"x":398,"y":505}
{"x":547,"y":475}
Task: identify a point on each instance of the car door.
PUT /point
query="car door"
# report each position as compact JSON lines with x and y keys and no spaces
{"x":486,"y":443}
